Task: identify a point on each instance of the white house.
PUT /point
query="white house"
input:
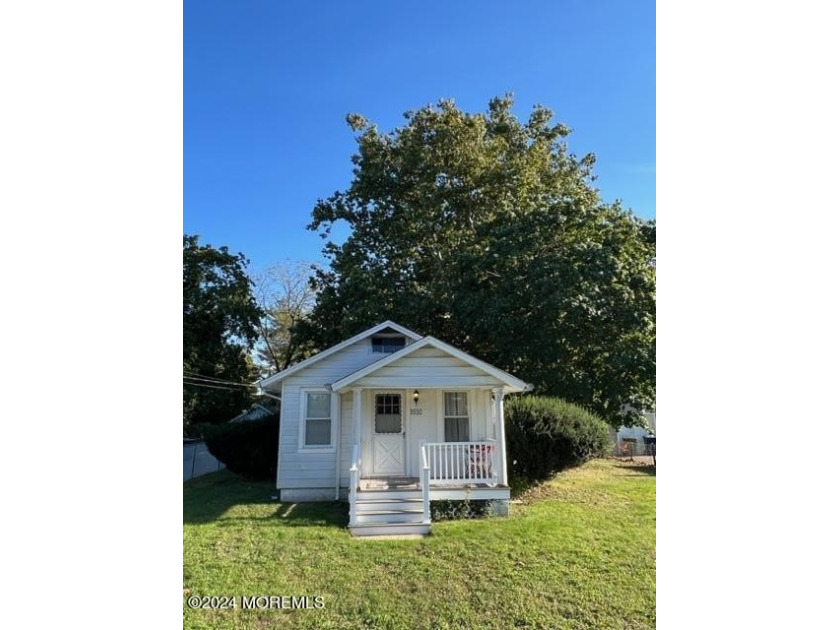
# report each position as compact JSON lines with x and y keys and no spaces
{"x":391,"y":420}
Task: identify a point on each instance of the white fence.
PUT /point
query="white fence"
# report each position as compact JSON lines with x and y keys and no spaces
{"x":198,"y":460}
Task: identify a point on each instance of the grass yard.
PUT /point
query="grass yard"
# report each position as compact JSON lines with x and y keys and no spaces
{"x":579,"y":552}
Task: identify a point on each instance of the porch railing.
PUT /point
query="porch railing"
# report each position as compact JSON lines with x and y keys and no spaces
{"x":354,"y":483}
{"x":425,"y":472}
{"x":459,"y":463}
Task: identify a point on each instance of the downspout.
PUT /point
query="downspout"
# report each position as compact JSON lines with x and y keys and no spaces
{"x":262,"y":392}
{"x":337,"y":464}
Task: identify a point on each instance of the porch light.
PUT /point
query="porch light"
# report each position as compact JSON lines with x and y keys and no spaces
{"x":416,"y":396}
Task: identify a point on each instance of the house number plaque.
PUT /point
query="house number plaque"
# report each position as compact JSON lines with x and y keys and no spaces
{"x":416,"y":412}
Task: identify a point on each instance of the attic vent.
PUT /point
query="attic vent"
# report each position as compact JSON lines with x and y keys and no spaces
{"x":386,"y":344}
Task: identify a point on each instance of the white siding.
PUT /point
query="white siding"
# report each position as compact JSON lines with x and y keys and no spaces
{"x":298,"y":469}
{"x":428,"y":367}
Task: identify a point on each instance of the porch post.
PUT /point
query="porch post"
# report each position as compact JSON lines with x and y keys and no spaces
{"x":357,"y":420}
{"x":499,"y":413}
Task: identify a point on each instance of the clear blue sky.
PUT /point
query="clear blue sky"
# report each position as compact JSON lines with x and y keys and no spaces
{"x":267,"y":85}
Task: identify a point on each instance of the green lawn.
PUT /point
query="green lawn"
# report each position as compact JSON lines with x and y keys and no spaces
{"x":579,"y":552}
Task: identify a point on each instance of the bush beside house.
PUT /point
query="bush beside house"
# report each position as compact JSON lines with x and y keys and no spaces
{"x":546,"y":435}
{"x":246,"y":448}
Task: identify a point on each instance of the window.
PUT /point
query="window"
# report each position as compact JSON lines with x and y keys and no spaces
{"x":456,"y":419}
{"x":388,"y":418}
{"x":386,"y":344}
{"x":317,"y":423}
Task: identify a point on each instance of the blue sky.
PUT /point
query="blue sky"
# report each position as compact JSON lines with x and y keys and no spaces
{"x":267,"y":85}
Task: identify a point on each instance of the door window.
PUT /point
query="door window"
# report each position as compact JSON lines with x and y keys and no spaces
{"x":388,"y":418}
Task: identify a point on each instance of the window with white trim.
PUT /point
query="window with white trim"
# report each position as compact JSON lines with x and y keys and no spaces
{"x":456,"y":417}
{"x":317,"y":430}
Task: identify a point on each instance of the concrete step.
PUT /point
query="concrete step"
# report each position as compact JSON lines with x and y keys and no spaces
{"x":374,"y":505}
{"x":390,"y":529}
{"x":390,"y":516}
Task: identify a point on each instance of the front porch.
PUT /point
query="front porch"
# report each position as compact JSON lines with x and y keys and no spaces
{"x":401,"y":505}
{"x":427,"y":423}
{"x":473,"y":491}
{"x":477,"y":490}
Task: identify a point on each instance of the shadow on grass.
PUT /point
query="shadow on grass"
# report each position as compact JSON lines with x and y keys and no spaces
{"x":208,"y":498}
{"x":520,"y":486}
{"x":332,"y":514}
{"x":631,"y":467}
{"x":644,"y":469}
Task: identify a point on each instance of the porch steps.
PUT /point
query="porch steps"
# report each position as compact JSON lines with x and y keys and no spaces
{"x":389,"y":513}
{"x":409,"y":505}
{"x":379,"y":495}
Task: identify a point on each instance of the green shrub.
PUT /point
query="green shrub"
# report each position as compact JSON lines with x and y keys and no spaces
{"x":247,"y":448}
{"x":547,"y":435}
{"x":453,"y":509}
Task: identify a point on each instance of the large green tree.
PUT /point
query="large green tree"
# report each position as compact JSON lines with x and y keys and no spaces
{"x":487,"y":232}
{"x":220,"y":328}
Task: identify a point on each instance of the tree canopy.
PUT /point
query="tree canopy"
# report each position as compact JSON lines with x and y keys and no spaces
{"x":488,"y":233}
{"x":220,"y":327}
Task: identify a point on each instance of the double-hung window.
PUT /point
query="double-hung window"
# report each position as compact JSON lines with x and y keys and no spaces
{"x":317,"y":420}
{"x":456,"y":417}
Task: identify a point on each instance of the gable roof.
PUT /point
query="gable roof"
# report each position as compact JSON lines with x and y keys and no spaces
{"x":514,"y":384}
{"x":256,"y":412}
{"x":332,"y":350}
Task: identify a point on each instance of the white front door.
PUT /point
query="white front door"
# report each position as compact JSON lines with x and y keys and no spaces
{"x":388,"y":434}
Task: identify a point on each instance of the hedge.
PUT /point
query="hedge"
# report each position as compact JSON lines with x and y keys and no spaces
{"x":247,"y":448}
{"x":455,"y":509}
{"x":546,"y":435}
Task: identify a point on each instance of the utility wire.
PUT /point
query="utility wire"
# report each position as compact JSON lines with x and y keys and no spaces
{"x":221,"y":385}
{"x":208,"y":386}
{"x":217,"y":381}
{"x":208,"y":378}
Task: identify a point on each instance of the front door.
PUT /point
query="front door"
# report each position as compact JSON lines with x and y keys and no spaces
{"x":388,"y":434}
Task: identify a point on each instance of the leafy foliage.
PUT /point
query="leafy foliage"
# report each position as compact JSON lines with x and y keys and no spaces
{"x":246,"y":448}
{"x":220,"y":327}
{"x":489,"y":233}
{"x":453,"y":509}
{"x":547,"y":435}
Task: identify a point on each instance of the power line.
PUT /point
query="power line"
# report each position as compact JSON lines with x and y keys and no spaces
{"x":204,"y":377}
{"x":208,"y":386}
{"x":211,"y":383}
{"x":216,"y":381}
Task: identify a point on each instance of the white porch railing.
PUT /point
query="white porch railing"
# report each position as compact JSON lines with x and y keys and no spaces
{"x":425,"y":473}
{"x":354,"y":483}
{"x":459,"y":463}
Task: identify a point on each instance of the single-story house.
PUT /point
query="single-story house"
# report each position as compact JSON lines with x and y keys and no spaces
{"x":391,"y":420}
